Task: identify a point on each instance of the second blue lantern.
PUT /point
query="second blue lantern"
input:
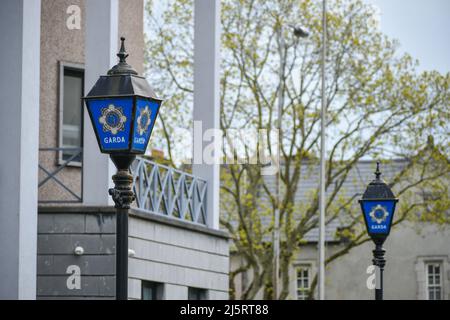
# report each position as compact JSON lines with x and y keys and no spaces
{"x":378,"y":206}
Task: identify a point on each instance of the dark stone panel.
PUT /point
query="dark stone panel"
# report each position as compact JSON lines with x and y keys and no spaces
{"x":65,"y":244}
{"x":100,"y":223}
{"x":101,"y":286}
{"x":74,"y":298}
{"x":61,"y":223}
{"x":89,"y":265}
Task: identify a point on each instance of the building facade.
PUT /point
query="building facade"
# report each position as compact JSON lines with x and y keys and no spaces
{"x":57,"y":222}
{"x":169,"y":259}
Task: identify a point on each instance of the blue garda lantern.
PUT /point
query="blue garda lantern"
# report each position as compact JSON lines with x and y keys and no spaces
{"x":123,"y":109}
{"x":378,"y":207}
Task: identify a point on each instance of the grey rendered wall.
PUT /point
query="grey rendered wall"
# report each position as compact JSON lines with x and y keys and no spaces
{"x":58,"y":44}
{"x":177,"y":254}
{"x":407,"y":248}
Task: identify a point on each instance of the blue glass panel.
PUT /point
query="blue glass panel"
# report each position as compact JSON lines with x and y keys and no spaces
{"x":378,"y":215}
{"x":146,"y":112}
{"x":112,"y":120}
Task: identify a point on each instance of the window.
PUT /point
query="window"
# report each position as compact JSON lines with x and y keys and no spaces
{"x":434,"y":280}
{"x":152,"y":290}
{"x":197,"y":294}
{"x":71,"y":110}
{"x":303,"y":282}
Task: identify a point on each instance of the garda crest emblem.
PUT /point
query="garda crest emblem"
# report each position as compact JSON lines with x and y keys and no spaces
{"x":379,"y":214}
{"x":143,"y":120}
{"x":112,"y":119}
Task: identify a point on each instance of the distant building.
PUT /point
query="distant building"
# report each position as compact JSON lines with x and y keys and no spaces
{"x":417,"y":254}
{"x":57,"y":223}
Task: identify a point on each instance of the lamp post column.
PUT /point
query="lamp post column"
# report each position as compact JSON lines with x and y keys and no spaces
{"x":379,"y":262}
{"x":378,"y":206}
{"x":122,"y":196}
{"x":123,"y":109}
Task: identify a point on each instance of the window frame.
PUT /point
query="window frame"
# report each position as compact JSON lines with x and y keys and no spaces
{"x":77,"y":67}
{"x":303,"y":267}
{"x":158,"y":287}
{"x":441,"y":282}
{"x":203,"y":293}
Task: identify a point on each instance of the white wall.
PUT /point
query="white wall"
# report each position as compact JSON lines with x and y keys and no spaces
{"x":206,"y":96}
{"x":102,"y":22}
{"x":19,"y":138}
{"x":177,"y":256}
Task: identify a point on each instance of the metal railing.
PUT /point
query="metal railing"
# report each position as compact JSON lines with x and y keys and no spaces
{"x":168,"y":191}
{"x":159,"y":189}
{"x":65,"y":157}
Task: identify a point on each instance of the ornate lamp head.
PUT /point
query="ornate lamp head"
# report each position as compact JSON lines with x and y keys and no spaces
{"x":378,"y":207}
{"x":123,"y":109}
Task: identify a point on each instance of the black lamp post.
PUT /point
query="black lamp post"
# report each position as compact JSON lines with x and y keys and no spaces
{"x":378,"y":207}
{"x":123,"y":109}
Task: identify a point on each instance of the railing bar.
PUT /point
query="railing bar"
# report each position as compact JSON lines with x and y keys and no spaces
{"x":162,"y":197}
{"x":141,"y":181}
{"x":143,"y":175}
{"x":181,"y":201}
{"x":168,"y":196}
{"x":176,"y":197}
{"x":198,"y":208}
{"x":167,"y":168}
{"x":202,"y":207}
{"x":189,"y":199}
{"x":144,"y":194}
{"x":155,"y":186}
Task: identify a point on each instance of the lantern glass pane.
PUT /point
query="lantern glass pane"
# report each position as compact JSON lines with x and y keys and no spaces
{"x":146,"y":112}
{"x":112,"y":121}
{"x":378,"y":215}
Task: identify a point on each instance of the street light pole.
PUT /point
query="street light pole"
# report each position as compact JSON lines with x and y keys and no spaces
{"x":299,"y":33}
{"x":276,"y":228}
{"x":379,"y":262}
{"x":378,"y":206}
{"x":322,"y":203}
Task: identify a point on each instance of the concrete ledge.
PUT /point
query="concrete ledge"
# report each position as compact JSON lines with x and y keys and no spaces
{"x":75,"y":209}
{"x":137,"y":213}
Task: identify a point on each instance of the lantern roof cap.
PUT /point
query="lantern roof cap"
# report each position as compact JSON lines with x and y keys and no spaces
{"x":377,"y":188}
{"x":121,"y":81}
{"x":122,"y":67}
{"x":120,"y":85}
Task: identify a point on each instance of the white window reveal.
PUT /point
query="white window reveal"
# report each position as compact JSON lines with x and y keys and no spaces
{"x":434,"y":280}
{"x":152,"y":290}
{"x":303,"y":282}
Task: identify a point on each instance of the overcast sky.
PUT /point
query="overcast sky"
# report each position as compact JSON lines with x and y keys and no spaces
{"x":422,"y":27}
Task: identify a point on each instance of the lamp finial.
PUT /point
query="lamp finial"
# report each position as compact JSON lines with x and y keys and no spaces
{"x":122,"y":67}
{"x":378,"y":172}
{"x":122,"y":53}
